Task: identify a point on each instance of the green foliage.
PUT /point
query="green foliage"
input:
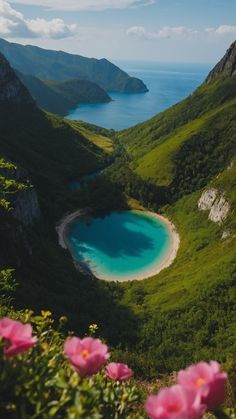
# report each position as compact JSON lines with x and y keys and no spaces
{"x":128,"y":182}
{"x":8,"y":185}
{"x":42,"y":384}
{"x":7,"y":287}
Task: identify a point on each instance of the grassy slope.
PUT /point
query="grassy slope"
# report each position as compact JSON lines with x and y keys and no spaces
{"x":97,"y":138}
{"x":159,"y":163}
{"x":154,"y":145}
{"x":188,"y":311}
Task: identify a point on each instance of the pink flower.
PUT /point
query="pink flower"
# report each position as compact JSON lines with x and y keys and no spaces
{"x":118,"y":372}
{"x":208,"y":380}
{"x":86,"y":355}
{"x":18,"y":336}
{"x":175,"y":402}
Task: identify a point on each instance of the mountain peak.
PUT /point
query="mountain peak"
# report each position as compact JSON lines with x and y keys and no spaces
{"x":226,"y":66}
{"x":11,"y":89}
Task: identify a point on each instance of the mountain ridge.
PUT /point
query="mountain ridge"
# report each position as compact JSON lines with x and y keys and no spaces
{"x":174,"y":147}
{"x":226,"y":66}
{"x":61,"y":66}
{"x":11,"y":88}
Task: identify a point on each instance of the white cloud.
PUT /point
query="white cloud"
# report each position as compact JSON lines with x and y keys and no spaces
{"x":222,"y":30}
{"x":89,"y":5}
{"x":178,"y":32}
{"x":55,"y":28}
{"x":14,"y":24}
{"x":138,"y":31}
{"x":165,"y":32}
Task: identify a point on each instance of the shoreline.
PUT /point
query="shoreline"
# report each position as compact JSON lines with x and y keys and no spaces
{"x":168,"y":259}
{"x":62,"y":226}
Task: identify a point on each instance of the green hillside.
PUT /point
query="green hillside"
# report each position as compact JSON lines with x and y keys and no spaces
{"x":188,"y":311}
{"x":98,"y":136}
{"x":62,"y":66}
{"x":49,"y":149}
{"x":185,"y":146}
{"x":61,"y":97}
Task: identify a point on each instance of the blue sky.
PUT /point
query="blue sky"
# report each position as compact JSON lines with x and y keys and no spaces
{"x":155,"y":30}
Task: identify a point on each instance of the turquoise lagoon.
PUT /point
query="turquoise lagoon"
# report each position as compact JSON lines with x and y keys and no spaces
{"x":121,"y":246}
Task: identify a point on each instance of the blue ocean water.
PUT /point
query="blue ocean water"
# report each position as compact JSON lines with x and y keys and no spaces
{"x":121,"y":245}
{"x":167,"y":83}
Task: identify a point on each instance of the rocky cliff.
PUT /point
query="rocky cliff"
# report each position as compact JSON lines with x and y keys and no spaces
{"x":16,"y":224}
{"x":217,"y":205}
{"x":226,"y":66}
{"x":11,"y":89}
{"x":24,"y":202}
{"x":25,"y":206}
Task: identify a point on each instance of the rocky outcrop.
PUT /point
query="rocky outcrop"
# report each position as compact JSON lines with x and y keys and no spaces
{"x":226,"y":66}
{"x":16,"y":224}
{"x":217,"y":205}
{"x":207,"y":199}
{"x":11,"y":89}
{"x":219,"y":210}
{"x":225,"y":234}
{"x":23,"y":201}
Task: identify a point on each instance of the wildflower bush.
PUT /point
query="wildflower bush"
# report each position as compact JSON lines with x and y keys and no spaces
{"x":44,"y":374}
{"x":43,"y":378}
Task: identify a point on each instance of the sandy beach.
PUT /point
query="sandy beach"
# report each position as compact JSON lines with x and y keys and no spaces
{"x":62,"y":226}
{"x":62,"y":229}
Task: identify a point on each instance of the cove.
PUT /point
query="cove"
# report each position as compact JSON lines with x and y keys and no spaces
{"x":121,"y":246}
{"x":168,"y":83}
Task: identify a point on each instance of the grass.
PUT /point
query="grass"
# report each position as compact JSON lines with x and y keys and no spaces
{"x":134,"y":204}
{"x":185,"y":146}
{"x":142,"y":138}
{"x":104,"y":143}
{"x":159,"y":163}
